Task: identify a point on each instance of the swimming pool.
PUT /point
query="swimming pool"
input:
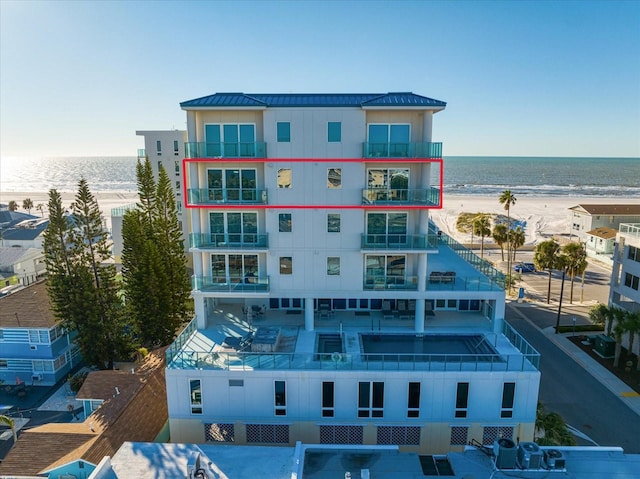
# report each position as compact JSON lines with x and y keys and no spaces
{"x":473,"y":345}
{"x":326,"y":344}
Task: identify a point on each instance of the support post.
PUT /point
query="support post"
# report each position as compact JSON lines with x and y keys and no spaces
{"x":560,"y":302}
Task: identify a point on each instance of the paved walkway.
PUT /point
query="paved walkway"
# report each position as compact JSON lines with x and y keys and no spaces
{"x":626,"y":394}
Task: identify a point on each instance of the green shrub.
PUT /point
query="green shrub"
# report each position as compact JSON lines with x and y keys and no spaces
{"x":77,"y":380}
{"x":581,"y":328}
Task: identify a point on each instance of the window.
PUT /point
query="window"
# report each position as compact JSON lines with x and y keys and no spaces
{"x":385,"y":270}
{"x":237,"y":184}
{"x":159,"y":147}
{"x":230,"y":140}
{"x":334,"y":132}
{"x":196,"y":396}
{"x":286,"y":265}
{"x":333,"y":266}
{"x":176,"y":148}
{"x":284,"y":222}
{"x":280,"y":398}
{"x":631,"y":281}
{"x":634,"y":253}
{"x":234,"y":268}
{"x":177,"y":187}
{"x":462,"y":399}
{"x":370,"y":399}
{"x":334,"y":178}
{"x":233,"y":228}
{"x":284,"y":178}
{"x":284,"y":131}
{"x":333,"y":223}
{"x":413,"y":401}
{"x":508,"y":392}
{"x":160,"y":165}
{"x":390,"y":140}
{"x":387,"y":184}
{"x":3,"y":364}
{"x":327,"y":399}
{"x":387,"y":228}
{"x":176,"y":165}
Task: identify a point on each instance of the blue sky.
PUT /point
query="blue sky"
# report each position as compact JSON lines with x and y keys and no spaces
{"x":520,"y":78}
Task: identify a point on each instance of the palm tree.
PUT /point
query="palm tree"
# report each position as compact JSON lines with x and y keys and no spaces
{"x":508,"y":200}
{"x":620,"y":318}
{"x":545,"y":256}
{"x":516,"y":239}
{"x":41,"y":207}
{"x":27,"y":204}
{"x":576,"y":262}
{"x":551,"y":429}
{"x":499,"y":235}
{"x":482,"y":228}
{"x":13,"y":206}
{"x":7,"y":421}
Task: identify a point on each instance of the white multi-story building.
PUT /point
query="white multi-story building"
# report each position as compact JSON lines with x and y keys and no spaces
{"x":329,"y":308}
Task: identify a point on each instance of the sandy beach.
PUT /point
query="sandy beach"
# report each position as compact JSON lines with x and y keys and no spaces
{"x":543,"y":216}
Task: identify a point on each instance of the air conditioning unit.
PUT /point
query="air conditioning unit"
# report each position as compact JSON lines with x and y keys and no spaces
{"x":529,"y":455}
{"x":36,"y":377}
{"x":506,"y":453}
{"x":554,"y":459}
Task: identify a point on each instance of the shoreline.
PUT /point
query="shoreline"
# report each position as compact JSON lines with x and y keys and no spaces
{"x":544,"y":216}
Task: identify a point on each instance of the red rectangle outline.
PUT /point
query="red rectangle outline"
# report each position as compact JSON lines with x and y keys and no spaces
{"x":312,"y":160}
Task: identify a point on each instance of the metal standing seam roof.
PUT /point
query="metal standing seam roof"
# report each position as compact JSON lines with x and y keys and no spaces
{"x":274,"y":100}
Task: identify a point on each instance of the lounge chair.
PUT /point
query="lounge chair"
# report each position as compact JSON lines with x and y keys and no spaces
{"x":387,"y":312}
{"x":403,"y":310}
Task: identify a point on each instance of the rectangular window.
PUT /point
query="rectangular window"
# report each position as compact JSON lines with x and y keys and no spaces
{"x":196,"y":396}
{"x":462,"y":399}
{"x":370,"y":399}
{"x":334,"y":178}
{"x":333,"y":223}
{"x":631,"y":281}
{"x":333,"y":266}
{"x":280,"y":398}
{"x":230,"y":140}
{"x":3,"y":364}
{"x":286,"y":265}
{"x":327,"y":399}
{"x":176,"y":148}
{"x":159,"y":147}
{"x":334,"y":132}
{"x":176,"y":165}
{"x":284,"y":178}
{"x":634,"y":253}
{"x":391,"y":140}
{"x":284,"y":131}
{"x":508,"y":392}
{"x":413,"y":401}
{"x":284,"y":222}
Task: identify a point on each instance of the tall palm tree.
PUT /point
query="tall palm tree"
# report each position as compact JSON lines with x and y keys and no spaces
{"x":13,"y":206}
{"x":619,"y":328}
{"x":7,"y":421}
{"x":482,"y":228}
{"x":545,"y":256}
{"x":517,"y":239}
{"x":576,"y":262}
{"x":508,"y":200}
{"x":41,"y":207}
{"x":27,"y":204}
{"x":499,"y":235}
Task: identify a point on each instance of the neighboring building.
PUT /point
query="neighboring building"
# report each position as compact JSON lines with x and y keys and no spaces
{"x":28,"y":233}
{"x":33,"y":344}
{"x":329,"y":309}
{"x":166,"y":149}
{"x":625,"y":278}
{"x":313,"y":461}
{"x":600,"y":243}
{"x":136,"y":410}
{"x":25,"y":264}
{"x":587,"y":217}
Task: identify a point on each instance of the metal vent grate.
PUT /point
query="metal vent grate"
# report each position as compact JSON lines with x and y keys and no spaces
{"x":341,"y":434}
{"x":492,"y":433}
{"x":459,"y":435}
{"x":399,"y":435}
{"x":268,"y":433}
{"x":223,"y":432}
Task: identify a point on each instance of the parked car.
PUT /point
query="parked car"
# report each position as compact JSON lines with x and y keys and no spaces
{"x":525,"y":268}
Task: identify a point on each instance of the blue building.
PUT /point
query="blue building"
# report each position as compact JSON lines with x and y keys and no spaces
{"x":34,"y":347}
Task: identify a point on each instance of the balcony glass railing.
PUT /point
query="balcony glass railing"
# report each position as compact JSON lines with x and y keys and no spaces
{"x":233,"y":284}
{"x":390,"y":282}
{"x":142,"y":154}
{"x":181,"y":340}
{"x":208,"y":196}
{"x":200,"y":149}
{"x":355,"y":362}
{"x":441,"y":281}
{"x":399,"y":242}
{"x":121,"y":210}
{"x":632,"y":229}
{"x":424,"y":149}
{"x":529,"y":352}
{"x":384,"y":196}
{"x":227,"y":240}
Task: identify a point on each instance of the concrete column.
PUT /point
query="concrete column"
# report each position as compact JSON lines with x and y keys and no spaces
{"x":499,"y":306}
{"x":422,"y":272}
{"x":427,"y":126}
{"x":192,"y":133}
{"x":200,"y":310}
{"x":419,"y":319}
{"x":309,"y":314}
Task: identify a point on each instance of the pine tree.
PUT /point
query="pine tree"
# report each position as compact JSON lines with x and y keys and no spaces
{"x":82,"y":286}
{"x":156,"y":282}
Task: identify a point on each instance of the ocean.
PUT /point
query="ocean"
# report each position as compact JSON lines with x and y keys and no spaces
{"x":463,"y":175}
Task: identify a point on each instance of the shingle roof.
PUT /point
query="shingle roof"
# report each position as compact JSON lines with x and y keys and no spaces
{"x":603,"y":232}
{"x":614,"y":209}
{"x":137,"y":414}
{"x":274,"y":100}
{"x":27,"y":308}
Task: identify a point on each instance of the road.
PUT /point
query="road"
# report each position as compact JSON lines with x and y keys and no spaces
{"x":571,"y":391}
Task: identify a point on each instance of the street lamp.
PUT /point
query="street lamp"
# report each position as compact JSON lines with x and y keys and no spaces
{"x":560,"y":302}
{"x":574,"y":326}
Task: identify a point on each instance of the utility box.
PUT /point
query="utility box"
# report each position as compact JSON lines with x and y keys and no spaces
{"x":605,"y":346}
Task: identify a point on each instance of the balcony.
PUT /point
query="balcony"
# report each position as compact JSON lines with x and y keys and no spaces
{"x":247,"y":241}
{"x":399,"y":242}
{"x":389,"y":196}
{"x":216,"y":196}
{"x":231,"y":284}
{"x":390,"y":282}
{"x":142,"y":154}
{"x":630,"y":229}
{"x":200,"y":149}
{"x":424,"y":149}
